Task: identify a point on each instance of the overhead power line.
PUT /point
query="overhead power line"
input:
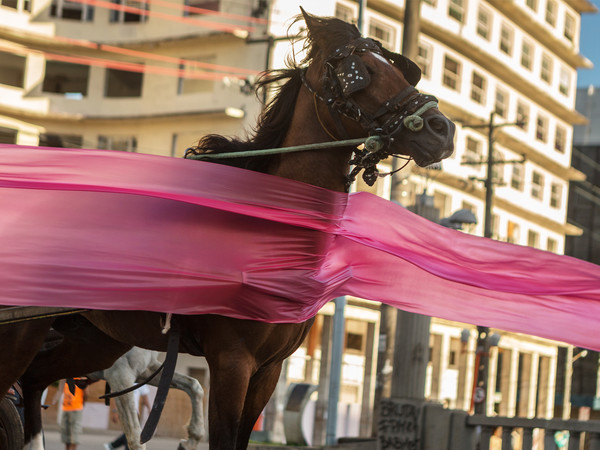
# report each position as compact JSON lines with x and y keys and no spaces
{"x":233,"y":29}
{"x":122,"y":65}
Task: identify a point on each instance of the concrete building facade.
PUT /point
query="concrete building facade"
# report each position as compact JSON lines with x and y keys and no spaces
{"x":154,"y":76}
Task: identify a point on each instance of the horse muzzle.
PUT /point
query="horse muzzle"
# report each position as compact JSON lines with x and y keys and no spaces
{"x":434,"y":141}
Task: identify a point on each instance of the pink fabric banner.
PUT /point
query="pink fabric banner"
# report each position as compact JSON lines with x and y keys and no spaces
{"x":112,"y":230}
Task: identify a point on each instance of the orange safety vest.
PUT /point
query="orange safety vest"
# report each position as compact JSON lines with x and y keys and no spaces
{"x":72,"y":402}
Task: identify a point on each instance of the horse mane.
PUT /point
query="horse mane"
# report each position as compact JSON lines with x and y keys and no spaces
{"x":322,"y":37}
{"x":271,"y":127}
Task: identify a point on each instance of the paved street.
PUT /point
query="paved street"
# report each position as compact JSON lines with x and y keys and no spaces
{"x":94,"y":440}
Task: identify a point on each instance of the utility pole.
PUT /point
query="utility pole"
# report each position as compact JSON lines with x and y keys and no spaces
{"x":396,"y":326}
{"x":480,"y":384}
{"x":411,"y":352}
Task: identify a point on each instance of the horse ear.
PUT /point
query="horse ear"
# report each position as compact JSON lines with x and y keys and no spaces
{"x":409,"y":69}
{"x":309,"y":19}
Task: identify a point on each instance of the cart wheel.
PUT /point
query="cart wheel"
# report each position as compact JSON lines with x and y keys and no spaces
{"x":11,"y":427}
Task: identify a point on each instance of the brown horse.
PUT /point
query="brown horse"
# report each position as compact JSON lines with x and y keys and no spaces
{"x":347,"y":87}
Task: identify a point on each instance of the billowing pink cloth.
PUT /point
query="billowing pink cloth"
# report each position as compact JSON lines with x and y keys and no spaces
{"x":112,"y":230}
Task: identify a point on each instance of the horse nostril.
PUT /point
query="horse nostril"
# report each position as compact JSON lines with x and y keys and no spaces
{"x":438,"y":125}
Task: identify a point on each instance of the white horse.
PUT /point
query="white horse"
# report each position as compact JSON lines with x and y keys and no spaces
{"x":136,"y":366}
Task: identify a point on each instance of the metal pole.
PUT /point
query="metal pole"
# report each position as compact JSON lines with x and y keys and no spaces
{"x":411,"y":352}
{"x":362,"y":5}
{"x":483,"y":344}
{"x":335,"y":374}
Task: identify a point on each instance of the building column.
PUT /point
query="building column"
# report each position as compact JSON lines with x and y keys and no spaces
{"x":491,"y":381}
{"x":323,"y":389}
{"x":466,"y":366}
{"x":532,"y":380}
{"x":513,"y":379}
{"x":366,"y":412}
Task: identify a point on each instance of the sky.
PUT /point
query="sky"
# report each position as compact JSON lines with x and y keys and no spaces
{"x":590,"y":47}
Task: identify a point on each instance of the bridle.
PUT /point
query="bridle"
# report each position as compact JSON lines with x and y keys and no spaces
{"x":346,"y":74}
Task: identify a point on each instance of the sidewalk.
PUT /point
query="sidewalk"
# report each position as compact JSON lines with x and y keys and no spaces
{"x":93,"y":439}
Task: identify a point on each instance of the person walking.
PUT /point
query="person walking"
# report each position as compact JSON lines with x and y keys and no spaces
{"x":72,"y":414}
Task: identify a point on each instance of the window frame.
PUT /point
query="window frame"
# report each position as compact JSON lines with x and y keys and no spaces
{"x":507,"y":37}
{"x":546,"y":68}
{"x":425,"y":61}
{"x":451,"y":79}
{"x":484,"y":28}
{"x":537,"y":186}
{"x":478,"y":91}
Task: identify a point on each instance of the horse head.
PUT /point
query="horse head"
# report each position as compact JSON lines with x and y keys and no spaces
{"x":360,"y":88}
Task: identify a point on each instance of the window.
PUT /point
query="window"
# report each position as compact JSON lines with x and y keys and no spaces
{"x":501,"y":103}
{"x":546,"y":69}
{"x":424,"y":58}
{"x":65,"y":9}
{"x":19,"y":5}
{"x":192,"y":81}
{"x":383,"y":33}
{"x":522,"y":115}
{"x":551,"y":8}
{"x":512,"y":232}
{"x":122,"y":143}
{"x":541,"y":129}
{"x":354,"y":341}
{"x":135,"y":15}
{"x":472,"y":150}
{"x":527,"y":55}
{"x":533,"y":239}
{"x":210,"y":5}
{"x":564,"y":81}
{"x":456,"y":9}
{"x":551,"y":245}
{"x":478,"y":88}
{"x":61,"y":140}
{"x":555,"y":195}
{"x":8,"y":135}
{"x":569,"y":31}
{"x":121,"y":83}
{"x":517,"y":177}
{"x":12,"y":69}
{"x":344,"y":13}
{"x":484,"y":23}
{"x":506,"y":39}
{"x":532,"y":4}
{"x":442,"y":203}
{"x":537,"y":185}
{"x":66,"y":78}
{"x":451,"y":77}
{"x":560,"y":139}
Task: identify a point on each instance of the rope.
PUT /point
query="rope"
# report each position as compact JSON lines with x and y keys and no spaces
{"x":370,"y":142}
{"x":414,"y":122}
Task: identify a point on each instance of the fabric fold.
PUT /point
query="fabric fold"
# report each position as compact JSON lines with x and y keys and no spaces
{"x":113,"y":230}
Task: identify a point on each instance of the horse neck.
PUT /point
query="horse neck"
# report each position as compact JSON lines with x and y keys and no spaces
{"x":323,"y":168}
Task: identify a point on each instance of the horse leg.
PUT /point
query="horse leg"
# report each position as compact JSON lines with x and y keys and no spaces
{"x":128,"y":413}
{"x":261,"y":387}
{"x":193,"y":389}
{"x":195,"y":427}
{"x":230,"y":374}
{"x":20,"y":343}
{"x":32,"y":412}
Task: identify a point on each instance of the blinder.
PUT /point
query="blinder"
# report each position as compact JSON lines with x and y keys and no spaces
{"x":352,"y":75}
